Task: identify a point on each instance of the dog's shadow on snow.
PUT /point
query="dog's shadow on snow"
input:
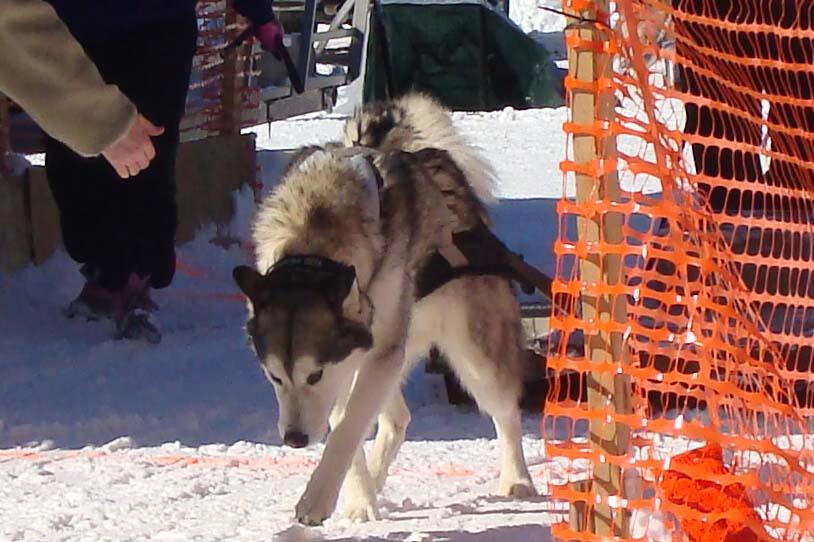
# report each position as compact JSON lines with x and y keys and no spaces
{"x":467,"y":509}
{"x":273,"y":163}
{"x":478,"y":529}
{"x":515,"y":533}
{"x":532,"y":531}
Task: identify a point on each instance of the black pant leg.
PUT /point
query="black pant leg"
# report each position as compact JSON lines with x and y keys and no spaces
{"x":123,"y":226}
{"x":158,"y":86}
{"x":90,"y":208}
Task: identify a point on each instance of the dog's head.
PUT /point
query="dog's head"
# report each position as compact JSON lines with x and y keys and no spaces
{"x":301,"y":337}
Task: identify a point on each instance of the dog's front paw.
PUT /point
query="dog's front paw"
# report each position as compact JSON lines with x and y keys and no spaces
{"x":361,"y":512}
{"x":315,"y":507}
{"x":360,"y":506}
{"x":517,"y":489}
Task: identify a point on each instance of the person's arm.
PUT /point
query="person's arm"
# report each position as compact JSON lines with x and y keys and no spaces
{"x":267,"y":29}
{"x":46,"y":71}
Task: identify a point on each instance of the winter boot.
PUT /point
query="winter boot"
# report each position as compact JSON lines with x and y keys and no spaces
{"x":136,"y":321}
{"x":95,"y":302}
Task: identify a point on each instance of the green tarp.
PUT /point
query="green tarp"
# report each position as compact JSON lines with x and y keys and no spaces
{"x":466,"y":53}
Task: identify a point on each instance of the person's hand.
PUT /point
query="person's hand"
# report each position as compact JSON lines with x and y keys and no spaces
{"x":270,"y":35}
{"x":134,"y":150}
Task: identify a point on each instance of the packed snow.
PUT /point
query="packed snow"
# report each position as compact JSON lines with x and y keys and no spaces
{"x":114,"y":440}
{"x":438,"y":490}
{"x":110,"y":440}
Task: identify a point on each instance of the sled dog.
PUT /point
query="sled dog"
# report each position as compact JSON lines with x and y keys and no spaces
{"x":362,"y":266}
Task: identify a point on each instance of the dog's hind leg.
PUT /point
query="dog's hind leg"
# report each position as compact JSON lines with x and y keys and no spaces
{"x":395,"y":417}
{"x":502,"y":405}
{"x":482,"y":340}
{"x":393,"y":422}
{"x":515,"y":480}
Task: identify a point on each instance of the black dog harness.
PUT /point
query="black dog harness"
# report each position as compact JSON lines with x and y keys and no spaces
{"x":299,"y":270}
{"x":486,"y":254}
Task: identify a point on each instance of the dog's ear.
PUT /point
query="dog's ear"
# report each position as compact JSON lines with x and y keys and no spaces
{"x":248,"y":280}
{"x":337,"y":287}
{"x":348,"y":337}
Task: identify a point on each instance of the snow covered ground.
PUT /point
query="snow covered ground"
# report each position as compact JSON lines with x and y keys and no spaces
{"x":68,"y":392}
{"x":111,"y":440}
{"x":438,"y":490}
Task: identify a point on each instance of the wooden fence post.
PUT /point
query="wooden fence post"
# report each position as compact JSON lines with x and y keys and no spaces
{"x":594,"y":147}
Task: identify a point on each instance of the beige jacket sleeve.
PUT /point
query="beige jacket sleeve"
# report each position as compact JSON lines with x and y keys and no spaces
{"x":44,"y":69}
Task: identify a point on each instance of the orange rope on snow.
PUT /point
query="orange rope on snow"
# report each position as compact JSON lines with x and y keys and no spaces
{"x":289,"y":464}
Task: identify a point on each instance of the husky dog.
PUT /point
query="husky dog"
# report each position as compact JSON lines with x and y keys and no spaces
{"x":346,"y":298}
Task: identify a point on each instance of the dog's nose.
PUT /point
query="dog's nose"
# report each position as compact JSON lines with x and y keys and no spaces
{"x":295,"y":439}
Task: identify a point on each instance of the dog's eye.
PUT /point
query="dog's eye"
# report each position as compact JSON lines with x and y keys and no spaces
{"x":272,"y":377}
{"x":314,"y":377}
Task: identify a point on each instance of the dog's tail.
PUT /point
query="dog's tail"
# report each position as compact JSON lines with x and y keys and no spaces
{"x":415,"y":122}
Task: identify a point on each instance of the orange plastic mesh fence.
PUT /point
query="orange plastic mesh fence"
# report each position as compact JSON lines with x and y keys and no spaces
{"x":689,"y":246}
{"x":209,"y":111}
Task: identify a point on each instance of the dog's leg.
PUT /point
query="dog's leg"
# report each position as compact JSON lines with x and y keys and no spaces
{"x":393,"y":424}
{"x":378,"y":378}
{"x":515,"y":480}
{"x":358,"y":490}
{"x":395,"y":417}
{"x":500,"y":402}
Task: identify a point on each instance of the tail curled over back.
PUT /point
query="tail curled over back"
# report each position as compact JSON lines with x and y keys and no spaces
{"x":415,"y":122}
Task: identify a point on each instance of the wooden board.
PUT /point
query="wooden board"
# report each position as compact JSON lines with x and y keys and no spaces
{"x":590,"y":108}
{"x":208,"y":172}
{"x":45,"y":228}
{"x":15,"y":232}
